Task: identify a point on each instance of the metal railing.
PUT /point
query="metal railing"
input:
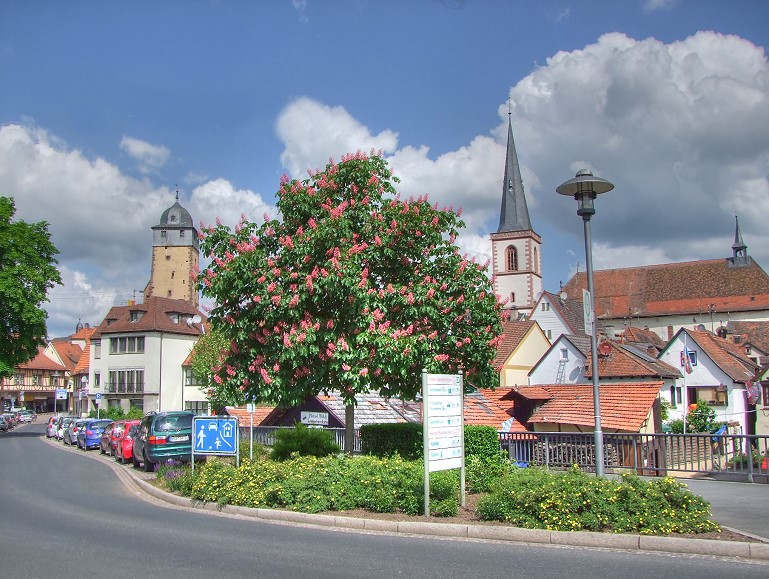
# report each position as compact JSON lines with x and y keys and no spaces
{"x":266,"y":435}
{"x":646,"y":454}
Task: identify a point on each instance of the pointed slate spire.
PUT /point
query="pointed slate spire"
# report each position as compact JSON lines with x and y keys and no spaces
{"x":514,"y":215}
{"x":739,"y":249}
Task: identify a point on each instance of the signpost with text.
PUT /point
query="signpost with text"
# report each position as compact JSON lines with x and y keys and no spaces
{"x":443,"y":427}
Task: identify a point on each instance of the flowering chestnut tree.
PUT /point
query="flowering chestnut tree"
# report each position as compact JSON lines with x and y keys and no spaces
{"x":354,"y":290}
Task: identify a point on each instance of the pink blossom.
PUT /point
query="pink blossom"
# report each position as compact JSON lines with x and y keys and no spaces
{"x":275,"y":300}
{"x":217,"y":379}
{"x":346,"y":367}
{"x":363,"y":372}
{"x":441,"y":357}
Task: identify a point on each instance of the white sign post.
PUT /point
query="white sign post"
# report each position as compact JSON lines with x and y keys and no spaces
{"x":443,"y":429}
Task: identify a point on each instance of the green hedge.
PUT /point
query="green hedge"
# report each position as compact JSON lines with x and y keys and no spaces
{"x":405,"y":439}
{"x":303,"y":441}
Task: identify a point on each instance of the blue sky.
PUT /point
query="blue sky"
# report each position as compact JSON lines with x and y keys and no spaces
{"x":107,"y":107}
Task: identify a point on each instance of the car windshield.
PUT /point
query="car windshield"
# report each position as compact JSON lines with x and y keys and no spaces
{"x":66,"y":421}
{"x":103,"y":424}
{"x":173,"y":422}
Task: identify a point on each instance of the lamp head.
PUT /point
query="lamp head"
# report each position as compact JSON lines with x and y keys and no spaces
{"x":584,"y":187}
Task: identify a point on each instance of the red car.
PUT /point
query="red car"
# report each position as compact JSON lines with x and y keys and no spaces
{"x":125,"y":443}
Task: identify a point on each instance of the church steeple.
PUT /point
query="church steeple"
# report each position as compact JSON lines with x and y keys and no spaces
{"x":514,"y":215}
{"x":739,"y":249}
{"x":515,"y":247}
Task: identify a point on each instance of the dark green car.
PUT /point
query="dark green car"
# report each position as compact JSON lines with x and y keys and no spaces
{"x":163,"y":436}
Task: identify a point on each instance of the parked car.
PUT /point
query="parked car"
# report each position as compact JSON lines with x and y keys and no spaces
{"x":163,"y":436}
{"x":110,"y":437}
{"x":26,"y":416}
{"x":9,"y":419}
{"x":70,"y":433}
{"x":50,"y":431}
{"x":5,"y":426}
{"x":125,"y":444}
{"x":62,"y":425}
{"x":88,"y":436}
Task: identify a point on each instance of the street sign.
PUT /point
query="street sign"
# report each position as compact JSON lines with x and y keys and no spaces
{"x":215,"y":435}
{"x":98,"y":396}
{"x":61,"y":394}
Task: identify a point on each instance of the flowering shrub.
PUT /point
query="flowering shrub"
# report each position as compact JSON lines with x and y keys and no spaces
{"x":572,"y":501}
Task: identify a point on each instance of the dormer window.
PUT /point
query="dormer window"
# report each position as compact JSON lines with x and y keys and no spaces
{"x":136,"y":315}
{"x":174,"y":317}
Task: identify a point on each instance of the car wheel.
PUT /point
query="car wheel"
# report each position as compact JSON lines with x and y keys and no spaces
{"x":148,"y":466}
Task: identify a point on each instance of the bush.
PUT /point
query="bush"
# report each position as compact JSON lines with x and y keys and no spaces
{"x":404,"y":439}
{"x":482,"y":441}
{"x":304,"y":442}
{"x":177,"y":478}
{"x":482,"y":473}
{"x":572,"y":501}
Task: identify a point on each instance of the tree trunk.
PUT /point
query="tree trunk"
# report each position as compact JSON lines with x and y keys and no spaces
{"x":349,"y":428}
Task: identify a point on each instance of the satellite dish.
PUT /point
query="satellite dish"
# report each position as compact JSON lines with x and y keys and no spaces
{"x":701,"y":327}
{"x":604,"y":348}
{"x":563,"y":295}
{"x":84,"y":379}
{"x":196,"y":319}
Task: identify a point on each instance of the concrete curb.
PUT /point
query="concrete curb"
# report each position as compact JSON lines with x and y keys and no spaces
{"x":716,"y":548}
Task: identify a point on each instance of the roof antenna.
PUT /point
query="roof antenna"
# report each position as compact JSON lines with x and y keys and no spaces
{"x":177,"y":191}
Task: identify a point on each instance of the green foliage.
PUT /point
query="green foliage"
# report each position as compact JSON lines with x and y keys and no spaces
{"x":356,"y":289}
{"x":207,"y":355}
{"x":404,"y":439}
{"x":303,"y":441}
{"x":536,"y":499}
{"x":312,"y":484}
{"x":27,"y":272}
{"x":740,"y":460}
{"x":701,"y":419}
{"x":177,"y":478}
{"x":482,"y":441}
{"x":482,"y":473}
{"x":676,"y":426}
{"x":116,"y":413}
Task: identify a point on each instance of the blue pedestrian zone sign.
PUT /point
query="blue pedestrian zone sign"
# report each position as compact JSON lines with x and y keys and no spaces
{"x":215,"y":435}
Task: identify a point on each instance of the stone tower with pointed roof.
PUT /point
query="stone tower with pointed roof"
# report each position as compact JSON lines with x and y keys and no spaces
{"x":515,"y":247}
{"x":175,"y":256}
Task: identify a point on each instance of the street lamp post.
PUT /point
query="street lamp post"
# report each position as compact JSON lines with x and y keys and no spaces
{"x":585,"y":188}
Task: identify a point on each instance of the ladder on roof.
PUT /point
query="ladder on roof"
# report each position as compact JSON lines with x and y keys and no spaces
{"x":559,"y":377}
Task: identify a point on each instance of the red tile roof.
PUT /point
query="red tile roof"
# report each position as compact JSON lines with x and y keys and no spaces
{"x":244,"y":417}
{"x":754,"y":333}
{"x":624,"y":406}
{"x":513,"y":332}
{"x":624,"y":361}
{"x":642,"y":337}
{"x":726,"y":355}
{"x":155,"y":316}
{"x":675,"y":288}
{"x":42,"y":362}
{"x":486,"y":407}
{"x":68,"y":352}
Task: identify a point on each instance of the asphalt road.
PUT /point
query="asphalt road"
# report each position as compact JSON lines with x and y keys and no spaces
{"x":63,"y":514}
